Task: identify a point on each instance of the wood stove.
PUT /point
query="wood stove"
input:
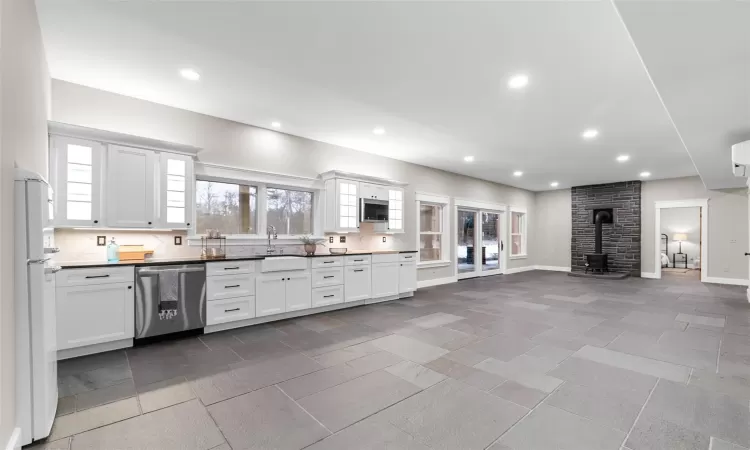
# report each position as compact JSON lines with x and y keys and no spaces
{"x":597,"y":262}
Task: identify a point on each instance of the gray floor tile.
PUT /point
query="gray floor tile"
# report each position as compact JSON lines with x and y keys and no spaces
{"x":652,"y":433}
{"x":465,"y":357}
{"x":434,"y":320}
{"x":60,"y":444}
{"x":264,"y":349}
{"x":222,"y":339}
{"x":502,"y":347}
{"x":266,"y":419}
{"x":93,"y":379}
{"x":66,"y":405}
{"x":418,"y":375}
{"x":87,"y":363}
{"x":223,"y":446}
{"x":639,"y":364}
{"x":437,"y":336}
{"x":604,"y":406}
{"x":185,"y":426}
{"x":346,"y":354}
{"x":369,"y":434}
{"x":453,"y":415}
{"x":149,"y":368}
{"x":163,"y":394}
{"x":719,"y":444}
{"x":105,"y":395}
{"x":737,"y":387}
{"x":91,"y":418}
{"x":521,"y":375}
{"x":519,"y":394}
{"x":633,"y":385}
{"x":373,"y":362}
{"x":347,"y":403}
{"x":317,"y":381}
{"x":701,"y":320}
{"x":320,"y":322}
{"x":548,"y":427}
{"x":409,"y":348}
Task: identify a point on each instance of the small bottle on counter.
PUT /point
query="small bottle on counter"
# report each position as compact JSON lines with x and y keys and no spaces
{"x":113,"y":252}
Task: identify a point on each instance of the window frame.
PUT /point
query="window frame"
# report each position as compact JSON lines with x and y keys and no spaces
{"x":445,"y":225}
{"x":523,"y":232}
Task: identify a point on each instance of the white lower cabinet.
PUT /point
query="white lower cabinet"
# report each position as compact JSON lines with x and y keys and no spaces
{"x":94,"y":314}
{"x":230,"y":310}
{"x":407,"y":277}
{"x":385,"y":279}
{"x":357,"y":283}
{"x":327,"y":296}
{"x":280,"y":292}
{"x":298,"y":291}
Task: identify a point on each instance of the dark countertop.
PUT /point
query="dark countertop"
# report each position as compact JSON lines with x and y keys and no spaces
{"x":194,"y":260}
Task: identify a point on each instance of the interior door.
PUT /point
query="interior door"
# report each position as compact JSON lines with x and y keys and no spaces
{"x":481,"y":246}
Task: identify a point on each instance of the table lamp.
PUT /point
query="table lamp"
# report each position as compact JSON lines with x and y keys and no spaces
{"x":679,"y":237}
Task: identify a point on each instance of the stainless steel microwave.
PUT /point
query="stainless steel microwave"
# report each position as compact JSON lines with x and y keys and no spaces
{"x":372,"y":210}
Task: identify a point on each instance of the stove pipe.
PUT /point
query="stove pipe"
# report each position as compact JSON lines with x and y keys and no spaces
{"x":601,"y":216}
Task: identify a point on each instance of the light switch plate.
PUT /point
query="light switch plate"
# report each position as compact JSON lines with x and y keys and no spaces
{"x":101,"y":241}
{"x":178,"y":240}
{"x":330,"y":239}
{"x":342,"y":239}
{"x":383,"y":238}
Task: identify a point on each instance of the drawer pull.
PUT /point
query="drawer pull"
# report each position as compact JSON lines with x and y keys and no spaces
{"x":232,"y":310}
{"x":231,"y":286}
{"x":97,"y":276}
{"x":358,"y":260}
{"x":359,"y":270}
{"x":328,"y":262}
{"x":328,"y":296}
{"x":407,"y":257}
{"x":328,"y":276}
{"x":232,"y":268}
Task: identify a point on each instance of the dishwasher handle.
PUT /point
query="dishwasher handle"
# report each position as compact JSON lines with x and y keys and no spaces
{"x":183,"y":270}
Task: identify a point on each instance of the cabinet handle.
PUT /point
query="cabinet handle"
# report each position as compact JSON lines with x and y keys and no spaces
{"x":232,"y":268}
{"x":232,"y":310}
{"x":358,"y":260}
{"x":188,"y":224}
{"x":407,"y":257}
{"x":328,"y":262}
{"x":328,"y":276}
{"x":149,"y":223}
{"x":97,"y":276}
{"x":130,"y":287}
{"x":359,"y":270}
{"x":232,"y":286}
{"x":96,"y":221}
{"x":328,"y":296}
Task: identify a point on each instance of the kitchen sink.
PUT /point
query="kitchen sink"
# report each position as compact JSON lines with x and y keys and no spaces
{"x":280,"y":263}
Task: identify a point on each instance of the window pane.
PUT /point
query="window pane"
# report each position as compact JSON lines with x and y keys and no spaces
{"x":175,"y":199}
{"x":79,"y":211}
{"x":290,"y":211}
{"x":228,"y":207}
{"x":490,"y":241}
{"x":429,"y":218}
{"x":516,"y":223}
{"x":429,"y":247}
{"x":516,"y":242}
{"x":177,"y":183}
{"x":79,"y":192}
{"x":176,"y":167}
{"x":79,"y":154}
{"x":79,"y":173}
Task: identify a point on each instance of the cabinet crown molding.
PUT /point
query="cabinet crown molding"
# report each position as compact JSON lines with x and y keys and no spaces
{"x":358,"y":177}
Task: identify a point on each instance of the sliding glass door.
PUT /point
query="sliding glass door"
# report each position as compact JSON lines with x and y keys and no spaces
{"x":479,"y":242}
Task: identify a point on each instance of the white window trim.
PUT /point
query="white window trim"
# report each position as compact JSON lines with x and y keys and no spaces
{"x":271,"y":181}
{"x":524,"y":232}
{"x":445,"y":228}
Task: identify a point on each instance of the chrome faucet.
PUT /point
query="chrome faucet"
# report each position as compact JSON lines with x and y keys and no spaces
{"x":271,"y":230}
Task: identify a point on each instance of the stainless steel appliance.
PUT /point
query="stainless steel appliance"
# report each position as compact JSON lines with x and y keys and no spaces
{"x":169,"y":299}
{"x":372,"y":210}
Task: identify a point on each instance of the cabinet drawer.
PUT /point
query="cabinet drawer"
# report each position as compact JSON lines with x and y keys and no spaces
{"x":357,"y":260}
{"x":230,"y":286}
{"x":229,"y":267}
{"x":98,"y":275}
{"x":327,"y":277}
{"x":327,"y":296}
{"x":385,"y":258}
{"x":231,"y":310}
{"x":329,"y":261}
{"x":407,"y":257}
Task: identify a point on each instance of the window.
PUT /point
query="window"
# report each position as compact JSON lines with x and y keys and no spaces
{"x":347,"y":205}
{"x":518,"y":233}
{"x":80,"y":182}
{"x":430,"y":232}
{"x":176,"y":187}
{"x":395,"y":209}
{"x":228,"y":207}
{"x":291,"y":212}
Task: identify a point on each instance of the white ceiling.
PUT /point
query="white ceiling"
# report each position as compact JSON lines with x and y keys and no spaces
{"x":432,"y":74}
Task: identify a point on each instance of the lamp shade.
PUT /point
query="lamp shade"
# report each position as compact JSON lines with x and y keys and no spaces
{"x":679,"y":237}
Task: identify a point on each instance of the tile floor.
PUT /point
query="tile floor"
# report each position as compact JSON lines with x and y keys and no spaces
{"x":536,"y":360}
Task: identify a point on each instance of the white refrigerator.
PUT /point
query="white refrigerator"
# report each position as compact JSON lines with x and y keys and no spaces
{"x":34,"y":285}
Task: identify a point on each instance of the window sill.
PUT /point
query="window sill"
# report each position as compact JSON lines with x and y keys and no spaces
{"x":429,"y":264}
{"x":519,"y":256}
{"x":253,"y":239}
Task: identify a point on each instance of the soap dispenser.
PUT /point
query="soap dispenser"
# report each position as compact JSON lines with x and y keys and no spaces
{"x":113,"y":252}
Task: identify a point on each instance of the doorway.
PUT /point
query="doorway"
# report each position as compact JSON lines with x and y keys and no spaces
{"x":480,"y":244}
{"x":681,"y":239}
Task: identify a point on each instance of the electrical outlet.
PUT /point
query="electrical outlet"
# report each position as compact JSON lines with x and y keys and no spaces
{"x":383,"y":238}
{"x":178,"y":240}
{"x":101,"y":241}
{"x":330,"y":239}
{"x":342,"y":239}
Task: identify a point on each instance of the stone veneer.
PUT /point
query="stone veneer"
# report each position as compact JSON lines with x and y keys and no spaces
{"x":621,"y":239}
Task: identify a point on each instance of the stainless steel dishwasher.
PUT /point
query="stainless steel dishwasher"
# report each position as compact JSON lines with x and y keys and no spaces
{"x":169,"y":299}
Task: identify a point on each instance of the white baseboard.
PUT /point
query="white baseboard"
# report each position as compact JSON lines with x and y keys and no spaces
{"x":436,"y":282}
{"x":732,"y":281}
{"x":14,"y":442}
{"x":748,"y":295}
{"x":518,"y":270}
{"x":649,"y":275}
{"x":553,"y":268}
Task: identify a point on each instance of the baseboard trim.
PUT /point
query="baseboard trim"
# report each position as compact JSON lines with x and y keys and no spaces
{"x":14,"y":442}
{"x":518,"y":270}
{"x":553,"y":268}
{"x":75,"y":352}
{"x":732,"y":281}
{"x":436,"y":282}
{"x":649,"y":275}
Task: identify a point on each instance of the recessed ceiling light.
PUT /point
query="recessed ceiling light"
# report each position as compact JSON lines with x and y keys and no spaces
{"x":469,"y":158}
{"x":645,"y":174}
{"x":378,"y":130}
{"x":590,"y":133}
{"x":190,"y":74}
{"x":518,"y":81}
{"x":623,"y":158}
{"x":276,"y":124}
{"x":517,"y":173}
{"x":554,"y":184}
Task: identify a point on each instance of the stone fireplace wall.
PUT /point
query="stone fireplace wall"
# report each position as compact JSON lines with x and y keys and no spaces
{"x":621,"y":239}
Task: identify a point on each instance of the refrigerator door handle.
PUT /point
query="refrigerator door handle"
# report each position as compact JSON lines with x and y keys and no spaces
{"x":38,"y":261}
{"x":49,"y":270}
{"x":48,"y":250}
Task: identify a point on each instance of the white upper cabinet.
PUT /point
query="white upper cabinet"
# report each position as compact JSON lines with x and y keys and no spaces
{"x":396,"y":210}
{"x":342,"y":205}
{"x":130,"y":187}
{"x":76,"y":169}
{"x":176,"y":191}
{"x":374,"y":191}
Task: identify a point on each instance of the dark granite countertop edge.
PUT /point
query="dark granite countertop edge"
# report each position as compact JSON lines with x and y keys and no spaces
{"x":198,"y":260}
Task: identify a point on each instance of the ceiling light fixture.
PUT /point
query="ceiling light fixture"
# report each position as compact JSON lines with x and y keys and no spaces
{"x":378,"y":130}
{"x":590,"y":133}
{"x":645,"y":174}
{"x":276,"y":124}
{"x":517,"y":173}
{"x":554,"y":184}
{"x":469,"y":158}
{"x":190,"y":74}
{"x":623,"y":158}
{"x":518,"y":81}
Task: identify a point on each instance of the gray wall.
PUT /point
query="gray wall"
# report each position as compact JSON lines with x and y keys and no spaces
{"x":682,"y":220}
{"x":552,"y":229}
{"x":727,"y":224}
{"x":239,"y":145}
{"x":23,"y":129}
